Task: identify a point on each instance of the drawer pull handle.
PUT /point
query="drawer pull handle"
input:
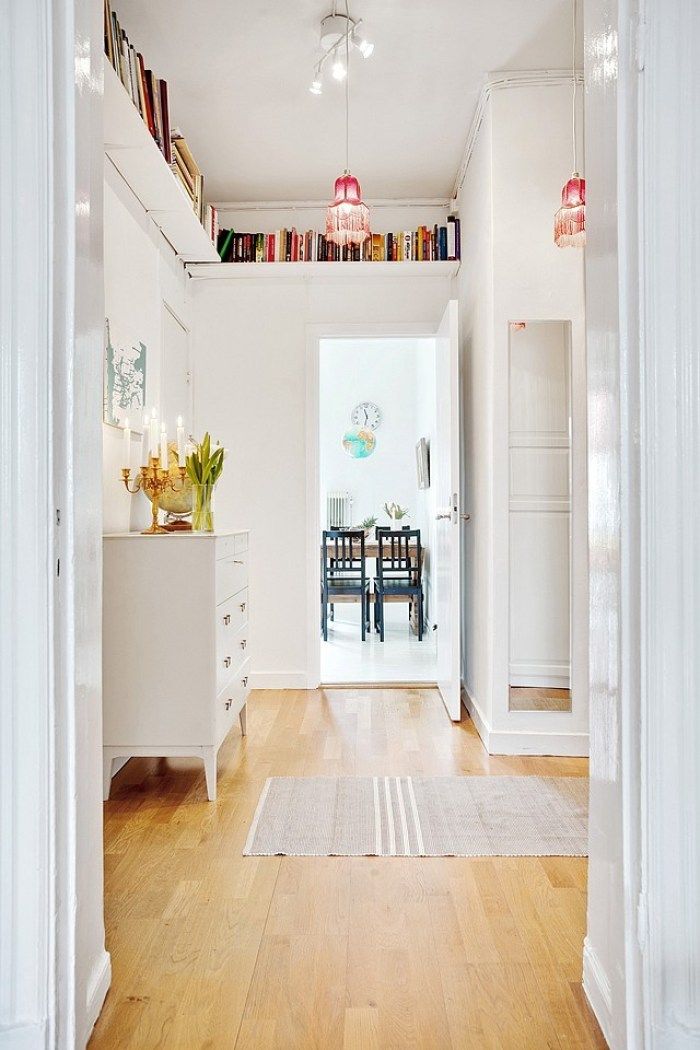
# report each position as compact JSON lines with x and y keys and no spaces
{"x":243,"y":605}
{"x":243,"y":643}
{"x":244,"y":681}
{"x":237,"y":562}
{"x":228,"y":704}
{"x":227,"y":661}
{"x":227,"y":619}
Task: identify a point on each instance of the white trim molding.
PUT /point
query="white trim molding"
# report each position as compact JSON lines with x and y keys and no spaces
{"x":255,"y":206}
{"x":27,"y":701}
{"x":51,"y":324}
{"x":524,"y":741}
{"x":597,"y":989}
{"x":668,"y":379}
{"x":500,"y":82}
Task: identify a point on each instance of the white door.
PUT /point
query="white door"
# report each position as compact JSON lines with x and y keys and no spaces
{"x":445,"y":467}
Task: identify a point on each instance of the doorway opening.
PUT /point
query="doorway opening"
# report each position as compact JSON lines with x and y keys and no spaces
{"x":376,"y":433}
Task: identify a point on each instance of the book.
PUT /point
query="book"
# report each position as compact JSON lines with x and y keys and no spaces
{"x":451,"y":237}
{"x":149,"y":95}
{"x":165,"y":116}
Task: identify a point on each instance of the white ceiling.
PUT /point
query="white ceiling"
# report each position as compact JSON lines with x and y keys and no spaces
{"x":239,"y":73}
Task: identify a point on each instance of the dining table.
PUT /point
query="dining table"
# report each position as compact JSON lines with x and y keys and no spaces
{"x":371,"y":554}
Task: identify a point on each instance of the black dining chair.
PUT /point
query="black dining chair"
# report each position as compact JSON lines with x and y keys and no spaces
{"x":399,"y":574}
{"x":344,"y":574}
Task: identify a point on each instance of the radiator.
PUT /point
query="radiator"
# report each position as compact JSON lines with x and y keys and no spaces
{"x":338,"y":510}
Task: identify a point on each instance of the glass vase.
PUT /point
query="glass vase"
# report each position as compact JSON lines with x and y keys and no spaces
{"x":202,"y":508}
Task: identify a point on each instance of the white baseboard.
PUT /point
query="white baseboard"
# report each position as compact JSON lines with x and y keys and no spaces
{"x":596,"y":987}
{"x":23,"y":1037}
{"x":477,"y":717}
{"x":275,"y":680}
{"x":524,"y":742}
{"x":97,"y":988}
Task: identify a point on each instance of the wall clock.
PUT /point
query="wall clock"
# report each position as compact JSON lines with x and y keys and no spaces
{"x":366,"y":414}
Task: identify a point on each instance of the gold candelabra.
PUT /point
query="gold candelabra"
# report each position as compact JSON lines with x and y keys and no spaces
{"x":154,"y":480}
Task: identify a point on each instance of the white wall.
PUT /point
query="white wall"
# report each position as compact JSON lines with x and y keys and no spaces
{"x":384,"y":371}
{"x":142,"y":278}
{"x":252,"y":341}
{"x":262,"y":218}
{"x":523,"y":152}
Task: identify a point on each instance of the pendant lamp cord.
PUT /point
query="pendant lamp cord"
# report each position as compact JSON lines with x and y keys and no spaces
{"x":347,"y":88}
{"x":573,"y":75}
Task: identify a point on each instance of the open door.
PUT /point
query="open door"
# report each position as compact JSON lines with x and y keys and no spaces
{"x":445,"y":461}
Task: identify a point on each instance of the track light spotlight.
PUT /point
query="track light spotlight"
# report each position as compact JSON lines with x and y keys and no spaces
{"x":316,"y":87}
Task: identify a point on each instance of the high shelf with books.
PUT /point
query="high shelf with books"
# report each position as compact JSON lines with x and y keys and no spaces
{"x":426,"y":244}
{"x":153,"y":158}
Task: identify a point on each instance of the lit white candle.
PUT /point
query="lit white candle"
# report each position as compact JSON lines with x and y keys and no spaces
{"x":181,"y":456}
{"x":154,"y":433}
{"x":164,"y":447}
{"x":127,"y":442}
{"x":145,"y":435}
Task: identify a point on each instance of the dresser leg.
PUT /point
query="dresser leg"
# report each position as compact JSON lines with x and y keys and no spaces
{"x":107,"y":767}
{"x":210,"y":773}
{"x":242,"y":717}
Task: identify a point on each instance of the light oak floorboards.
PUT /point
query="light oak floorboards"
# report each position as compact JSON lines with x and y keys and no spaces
{"x":218,"y":951}
{"x":528,"y":698}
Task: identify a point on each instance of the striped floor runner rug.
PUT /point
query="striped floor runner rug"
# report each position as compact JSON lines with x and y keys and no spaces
{"x":481,"y":816}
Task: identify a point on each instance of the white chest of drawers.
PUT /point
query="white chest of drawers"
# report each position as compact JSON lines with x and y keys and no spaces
{"x":175,"y":646}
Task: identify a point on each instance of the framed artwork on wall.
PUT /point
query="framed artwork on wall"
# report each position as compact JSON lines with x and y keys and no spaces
{"x":124,"y":391}
{"x":423,"y":464}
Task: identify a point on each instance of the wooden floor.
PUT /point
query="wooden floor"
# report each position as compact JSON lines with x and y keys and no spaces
{"x":218,"y":951}
{"x":526,"y":698}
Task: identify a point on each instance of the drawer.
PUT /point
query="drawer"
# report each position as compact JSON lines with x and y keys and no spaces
{"x":231,"y":700}
{"x":231,"y":652}
{"x":232,"y":614}
{"x":231,"y":576}
{"x":227,"y":546}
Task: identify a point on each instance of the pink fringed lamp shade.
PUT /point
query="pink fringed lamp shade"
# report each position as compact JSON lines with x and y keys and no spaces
{"x":570,"y":220}
{"x":347,"y":218}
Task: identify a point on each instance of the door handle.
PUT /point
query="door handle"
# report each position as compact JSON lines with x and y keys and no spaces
{"x":465,"y":517}
{"x":443,"y":514}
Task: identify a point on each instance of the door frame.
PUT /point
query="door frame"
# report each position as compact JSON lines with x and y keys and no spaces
{"x":314,"y":334}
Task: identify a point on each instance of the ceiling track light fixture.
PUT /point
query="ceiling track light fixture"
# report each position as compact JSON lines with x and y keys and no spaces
{"x":339,"y":34}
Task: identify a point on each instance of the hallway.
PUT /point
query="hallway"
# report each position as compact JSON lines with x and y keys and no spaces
{"x":213,"y":949}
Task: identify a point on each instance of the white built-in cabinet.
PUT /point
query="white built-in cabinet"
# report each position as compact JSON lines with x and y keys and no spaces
{"x":176,"y":657}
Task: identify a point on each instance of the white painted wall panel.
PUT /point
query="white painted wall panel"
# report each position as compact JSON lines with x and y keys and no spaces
{"x":249,"y":359}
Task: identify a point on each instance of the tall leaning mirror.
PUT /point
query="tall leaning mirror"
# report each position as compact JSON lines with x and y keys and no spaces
{"x":539,"y":438}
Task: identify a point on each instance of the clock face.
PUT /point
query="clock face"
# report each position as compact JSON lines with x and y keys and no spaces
{"x":366,"y":414}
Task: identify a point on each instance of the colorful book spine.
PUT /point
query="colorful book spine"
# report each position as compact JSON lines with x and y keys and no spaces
{"x":425,"y":244}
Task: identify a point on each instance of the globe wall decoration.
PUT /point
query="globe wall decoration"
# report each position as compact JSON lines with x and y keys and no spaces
{"x":359,"y":442}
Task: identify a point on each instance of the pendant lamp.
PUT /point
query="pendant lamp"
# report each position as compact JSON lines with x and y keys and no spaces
{"x":570,"y":220}
{"x":347,"y":217}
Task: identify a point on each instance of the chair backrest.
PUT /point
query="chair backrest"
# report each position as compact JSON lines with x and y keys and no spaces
{"x":395,"y":560}
{"x":343,"y":554}
{"x":387,"y":528}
